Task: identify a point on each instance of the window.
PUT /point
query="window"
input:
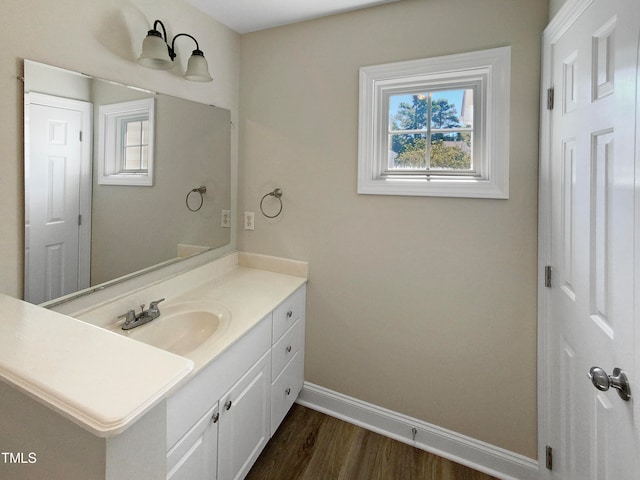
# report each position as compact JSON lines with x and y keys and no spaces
{"x":436,"y":127}
{"x":135,"y":145}
{"x":125,"y":155}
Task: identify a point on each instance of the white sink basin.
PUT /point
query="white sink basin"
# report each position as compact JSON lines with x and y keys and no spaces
{"x":181,"y":328}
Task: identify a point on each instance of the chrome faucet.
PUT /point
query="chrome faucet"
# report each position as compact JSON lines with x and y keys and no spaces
{"x":133,"y":319}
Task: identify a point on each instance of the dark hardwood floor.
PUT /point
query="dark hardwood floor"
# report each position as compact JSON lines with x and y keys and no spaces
{"x":312,"y":446}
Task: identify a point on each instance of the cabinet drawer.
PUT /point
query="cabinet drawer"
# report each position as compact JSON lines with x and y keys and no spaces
{"x":286,"y":348}
{"x":285,"y":390}
{"x":287,"y":313}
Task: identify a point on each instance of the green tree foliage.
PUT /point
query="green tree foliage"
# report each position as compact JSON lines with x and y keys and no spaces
{"x":446,"y":148}
{"x":449,"y":156}
{"x":414,"y":155}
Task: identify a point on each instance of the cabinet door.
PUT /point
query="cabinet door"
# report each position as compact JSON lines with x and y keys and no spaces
{"x":245,"y":421}
{"x":195,"y":456}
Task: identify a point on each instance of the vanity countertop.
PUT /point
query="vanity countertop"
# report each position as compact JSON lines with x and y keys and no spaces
{"x":247,"y":292}
{"x":87,"y":370}
{"x":82,"y":371}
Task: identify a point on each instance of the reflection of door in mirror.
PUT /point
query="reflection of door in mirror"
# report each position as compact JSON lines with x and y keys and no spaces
{"x":57,"y":191}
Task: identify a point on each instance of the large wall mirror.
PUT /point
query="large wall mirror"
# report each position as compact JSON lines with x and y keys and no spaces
{"x":117,"y":180}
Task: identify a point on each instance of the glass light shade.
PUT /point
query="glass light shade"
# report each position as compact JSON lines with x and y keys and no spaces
{"x":155,"y":52}
{"x":197,"y":68}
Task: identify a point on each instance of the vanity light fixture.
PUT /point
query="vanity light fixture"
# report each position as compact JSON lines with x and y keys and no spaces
{"x":159,"y":55}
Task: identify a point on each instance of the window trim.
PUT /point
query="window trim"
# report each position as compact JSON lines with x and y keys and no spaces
{"x":489,"y":70}
{"x":110,"y":162}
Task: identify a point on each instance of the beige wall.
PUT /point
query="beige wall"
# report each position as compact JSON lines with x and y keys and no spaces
{"x":554,"y":6}
{"x":101,"y":38}
{"x":426,"y":306}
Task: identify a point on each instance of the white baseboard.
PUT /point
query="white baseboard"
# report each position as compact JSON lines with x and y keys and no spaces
{"x":461,"y":449}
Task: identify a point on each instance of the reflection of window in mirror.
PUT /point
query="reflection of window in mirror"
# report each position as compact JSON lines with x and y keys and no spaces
{"x":125,"y":155}
{"x":134,"y":136}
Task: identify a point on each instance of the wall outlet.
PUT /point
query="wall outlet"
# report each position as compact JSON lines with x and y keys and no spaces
{"x":225,"y":221}
{"x":249,"y":221}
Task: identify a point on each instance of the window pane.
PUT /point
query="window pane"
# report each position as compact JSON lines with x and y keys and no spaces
{"x":136,"y":146}
{"x":408,"y":111}
{"x":407,"y":151}
{"x":451,"y":151}
{"x":132,"y":158}
{"x":452,"y":108}
{"x":134,"y":133}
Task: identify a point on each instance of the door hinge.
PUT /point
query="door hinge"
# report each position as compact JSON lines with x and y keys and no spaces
{"x":79,"y":220}
{"x":80,"y":135}
{"x":547,"y":276}
{"x":549,"y":457}
{"x":550,"y":98}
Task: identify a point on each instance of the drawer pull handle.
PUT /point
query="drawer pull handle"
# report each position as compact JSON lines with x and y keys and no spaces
{"x":289,"y":349}
{"x":288,"y":391}
{"x":215,"y":417}
{"x":227,"y":405}
{"x":290,"y":314}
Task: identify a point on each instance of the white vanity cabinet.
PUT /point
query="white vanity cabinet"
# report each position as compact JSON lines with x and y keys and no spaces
{"x":287,"y":359}
{"x":220,"y":421}
{"x":227,"y":440}
{"x":199,"y":424}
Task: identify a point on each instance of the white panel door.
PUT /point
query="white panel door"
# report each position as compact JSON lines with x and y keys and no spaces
{"x":591,"y":319}
{"x":53,"y":189}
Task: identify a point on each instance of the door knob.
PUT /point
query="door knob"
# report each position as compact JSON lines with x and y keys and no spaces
{"x":618,"y":380}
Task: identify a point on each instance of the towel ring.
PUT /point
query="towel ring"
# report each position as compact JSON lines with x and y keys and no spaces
{"x":201,"y":190}
{"x":277,"y":193}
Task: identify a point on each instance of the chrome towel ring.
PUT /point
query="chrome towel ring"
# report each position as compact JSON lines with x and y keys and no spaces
{"x":277,"y":193}
{"x":201,"y":190}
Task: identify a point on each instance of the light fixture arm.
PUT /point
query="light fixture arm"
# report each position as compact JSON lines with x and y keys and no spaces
{"x":164,"y":30}
{"x":172,"y":49}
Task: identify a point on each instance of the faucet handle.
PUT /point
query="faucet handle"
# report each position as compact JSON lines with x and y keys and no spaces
{"x":130,"y":316}
{"x":155,"y":303}
{"x":153,"y":307}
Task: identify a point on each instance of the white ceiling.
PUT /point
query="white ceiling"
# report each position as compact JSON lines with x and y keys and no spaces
{"x":245,"y":16}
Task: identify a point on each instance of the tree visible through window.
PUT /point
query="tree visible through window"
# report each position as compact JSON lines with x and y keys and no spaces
{"x":431,"y":130}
